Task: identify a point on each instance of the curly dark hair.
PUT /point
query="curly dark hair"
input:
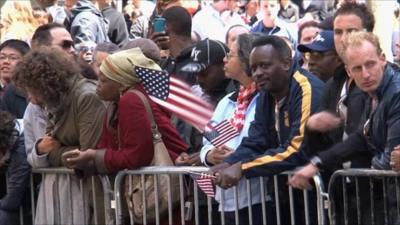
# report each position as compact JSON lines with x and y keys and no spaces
{"x":46,"y":72}
{"x":7,"y":131}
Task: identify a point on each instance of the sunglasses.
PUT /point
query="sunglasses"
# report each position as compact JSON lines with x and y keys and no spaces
{"x":66,"y":44}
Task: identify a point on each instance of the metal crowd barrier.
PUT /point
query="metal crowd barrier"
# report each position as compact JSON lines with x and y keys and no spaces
{"x":308,"y":204}
{"x":106,"y":193}
{"x":356,"y":196}
{"x":364,"y":196}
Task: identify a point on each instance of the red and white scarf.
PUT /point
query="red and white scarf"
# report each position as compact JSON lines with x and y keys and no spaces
{"x":244,"y":98}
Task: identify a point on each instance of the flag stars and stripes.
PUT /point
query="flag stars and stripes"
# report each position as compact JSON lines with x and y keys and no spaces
{"x":205,"y":182}
{"x":176,"y":96}
{"x":221,"y":133}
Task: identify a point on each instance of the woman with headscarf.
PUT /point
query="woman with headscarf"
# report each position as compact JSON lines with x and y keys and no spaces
{"x":126,"y":141}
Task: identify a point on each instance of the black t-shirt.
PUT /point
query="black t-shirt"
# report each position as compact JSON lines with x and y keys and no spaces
{"x":174,"y":65}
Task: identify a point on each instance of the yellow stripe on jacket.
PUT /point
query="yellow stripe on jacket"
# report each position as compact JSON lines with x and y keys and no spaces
{"x":296,"y":141}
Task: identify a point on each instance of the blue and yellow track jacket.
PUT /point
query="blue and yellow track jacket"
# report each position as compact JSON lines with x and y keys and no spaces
{"x":262,"y":152}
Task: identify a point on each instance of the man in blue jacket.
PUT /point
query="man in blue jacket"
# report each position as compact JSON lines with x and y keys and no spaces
{"x":276,"y":136}
{"x":380,"y":80}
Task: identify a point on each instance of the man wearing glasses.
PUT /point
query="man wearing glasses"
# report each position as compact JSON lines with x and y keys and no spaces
{"x":11,"y":99}
{"x":54,"y":35}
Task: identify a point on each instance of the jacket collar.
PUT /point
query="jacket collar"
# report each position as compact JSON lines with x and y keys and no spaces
{"x":388,"y":75}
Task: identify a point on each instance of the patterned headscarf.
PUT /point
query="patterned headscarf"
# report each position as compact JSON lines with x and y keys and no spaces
{"x":120,"y":66}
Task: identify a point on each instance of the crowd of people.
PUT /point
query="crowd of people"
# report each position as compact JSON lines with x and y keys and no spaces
{"x":303,"y":84}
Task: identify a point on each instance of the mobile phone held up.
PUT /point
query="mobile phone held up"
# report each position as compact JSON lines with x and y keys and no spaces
{"x":159,"y":24}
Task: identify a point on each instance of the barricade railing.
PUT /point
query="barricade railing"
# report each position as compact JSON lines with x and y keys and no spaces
{"x":304,"y":207}
{"x":98,"y":187}
{"x":364,"y":196}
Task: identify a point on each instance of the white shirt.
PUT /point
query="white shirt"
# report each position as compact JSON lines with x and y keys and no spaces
{"x":147,"y":8}
{"x":35,"y":122}
{"x":225,"y":110}
{"x":208,"y":23}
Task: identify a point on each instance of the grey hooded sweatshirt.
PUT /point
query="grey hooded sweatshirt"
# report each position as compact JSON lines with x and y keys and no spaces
{"x":88,"y":24}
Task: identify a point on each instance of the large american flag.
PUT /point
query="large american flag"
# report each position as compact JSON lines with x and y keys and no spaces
{"x":176,"y":96}
{"x":221,"y":133}
{"x":204,"y":181}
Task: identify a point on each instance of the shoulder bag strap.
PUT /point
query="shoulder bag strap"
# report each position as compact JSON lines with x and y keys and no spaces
{"x":154,"y":128}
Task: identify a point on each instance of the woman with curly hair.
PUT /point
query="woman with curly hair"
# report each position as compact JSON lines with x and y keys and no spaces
{"x":75,"y":116}
{"x":13,"y":162}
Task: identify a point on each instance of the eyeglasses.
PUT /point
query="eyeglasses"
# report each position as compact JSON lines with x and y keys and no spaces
{"x":66,"y":44}
{"x":12,"y":58}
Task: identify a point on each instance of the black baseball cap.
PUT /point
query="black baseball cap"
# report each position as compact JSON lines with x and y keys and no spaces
{"x":205,"y":53}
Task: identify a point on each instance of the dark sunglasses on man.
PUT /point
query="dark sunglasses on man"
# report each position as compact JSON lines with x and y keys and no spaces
{"x":66,"y":44}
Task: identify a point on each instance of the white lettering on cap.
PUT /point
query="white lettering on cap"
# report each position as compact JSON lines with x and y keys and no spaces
{"x":195,"y":54}
{"x":319,"y":38}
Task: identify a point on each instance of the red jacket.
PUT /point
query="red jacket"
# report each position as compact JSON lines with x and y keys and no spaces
{"x":134,"y":147}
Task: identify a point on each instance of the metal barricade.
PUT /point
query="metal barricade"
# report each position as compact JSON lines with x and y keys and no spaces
{"x":303,"y":207}
{"x":364,"y":196}
{"x":90,"y":191}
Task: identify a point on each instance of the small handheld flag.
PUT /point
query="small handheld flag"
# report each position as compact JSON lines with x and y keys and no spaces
{"x":221,"y":133}
{"x":204,"y":181}
{"x":176,"y":96}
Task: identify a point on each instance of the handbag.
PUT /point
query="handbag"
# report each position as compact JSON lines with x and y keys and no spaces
{"x":133,"y":185}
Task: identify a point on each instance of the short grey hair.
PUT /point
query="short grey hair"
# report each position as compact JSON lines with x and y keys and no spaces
{"x":108,"y":47}
{"x":148,"y":47}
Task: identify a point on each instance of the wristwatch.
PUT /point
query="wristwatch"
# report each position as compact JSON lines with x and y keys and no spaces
{"x":316,"y":161}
